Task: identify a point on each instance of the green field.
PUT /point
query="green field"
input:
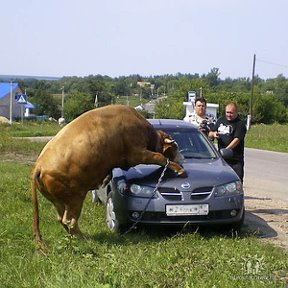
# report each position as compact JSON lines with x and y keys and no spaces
{"x":155,"y":258}
{"x":144,"y":258}
{"x":268,"y":137}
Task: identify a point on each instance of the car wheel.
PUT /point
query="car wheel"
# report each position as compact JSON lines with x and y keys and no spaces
{"x":111,"y":220}
{"x":95,"y":198}
{"x":111,"y":217}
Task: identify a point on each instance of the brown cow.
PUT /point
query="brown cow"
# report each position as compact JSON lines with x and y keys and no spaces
{"x":85,"y":151}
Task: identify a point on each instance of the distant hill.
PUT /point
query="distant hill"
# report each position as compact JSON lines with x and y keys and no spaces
{"x":22,"y":77}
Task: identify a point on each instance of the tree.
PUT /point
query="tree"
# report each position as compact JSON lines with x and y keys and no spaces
{"x":213,"y":77}
{"x":279,"y":87}
{"x":169,"y":109}
{"x":77,"y":104}
{"x":268,"y":109}
{"x":44,"y":102}
{"x":47,"y":94}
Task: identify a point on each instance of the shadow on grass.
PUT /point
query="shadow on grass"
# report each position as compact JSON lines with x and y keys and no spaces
{"x":254,"y":226}
{"x":154,"y":234}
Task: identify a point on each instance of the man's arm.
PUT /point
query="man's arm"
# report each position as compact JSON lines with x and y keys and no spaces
{"x":213,"y":135}
{"x":233,"y":143}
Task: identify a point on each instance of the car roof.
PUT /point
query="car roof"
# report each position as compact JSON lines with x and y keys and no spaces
{"x":171,"y":123}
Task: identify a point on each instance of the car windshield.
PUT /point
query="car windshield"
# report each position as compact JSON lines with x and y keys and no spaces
{"x":192,"y":144}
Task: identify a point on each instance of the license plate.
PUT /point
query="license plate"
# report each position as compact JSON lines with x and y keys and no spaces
{"x":183,"y":210}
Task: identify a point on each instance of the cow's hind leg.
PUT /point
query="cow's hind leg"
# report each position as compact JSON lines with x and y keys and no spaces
{"x":71,"y":216}
{"x":60,"y":207}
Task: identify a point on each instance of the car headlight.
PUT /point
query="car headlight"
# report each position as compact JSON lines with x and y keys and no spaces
{"x":228,"y":189}
{"x":141,"y":191}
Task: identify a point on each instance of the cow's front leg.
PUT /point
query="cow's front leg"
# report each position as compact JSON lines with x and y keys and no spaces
{"x":149,"y":157}
{"x":177,"y":169}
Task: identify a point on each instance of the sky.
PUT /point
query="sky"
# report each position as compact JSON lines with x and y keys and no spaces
{"x":59,"y":38}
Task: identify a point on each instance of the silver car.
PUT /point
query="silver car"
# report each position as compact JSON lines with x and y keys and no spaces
{"x":211,"y":193}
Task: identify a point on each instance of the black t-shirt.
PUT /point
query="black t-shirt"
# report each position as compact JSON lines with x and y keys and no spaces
{"x":228,"y":130}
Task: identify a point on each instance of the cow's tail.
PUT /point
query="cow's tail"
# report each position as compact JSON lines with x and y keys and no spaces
{"x":35,"y":178}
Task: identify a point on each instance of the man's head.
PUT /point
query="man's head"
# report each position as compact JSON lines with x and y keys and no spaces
{"x":231,"y":111}
{"x":200,"y":107}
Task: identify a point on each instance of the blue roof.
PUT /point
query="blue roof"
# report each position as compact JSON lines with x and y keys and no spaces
{"x":29,"y":105}
{"x":5,"y":88}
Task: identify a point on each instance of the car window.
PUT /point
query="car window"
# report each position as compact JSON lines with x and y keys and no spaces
{"x":192,"y":144}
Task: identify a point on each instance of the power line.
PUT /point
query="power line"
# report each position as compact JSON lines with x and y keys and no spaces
{"x":272,"y":63}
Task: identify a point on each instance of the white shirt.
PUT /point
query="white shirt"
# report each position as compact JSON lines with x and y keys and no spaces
{"x":197,"y":120}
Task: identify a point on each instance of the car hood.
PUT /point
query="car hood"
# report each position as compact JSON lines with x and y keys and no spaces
{"x":199,"y":173}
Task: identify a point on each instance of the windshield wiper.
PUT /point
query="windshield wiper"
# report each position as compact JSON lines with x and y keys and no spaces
{"x":199,"y":157}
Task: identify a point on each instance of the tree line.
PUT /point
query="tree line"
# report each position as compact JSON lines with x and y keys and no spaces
{"x":269,"y":103}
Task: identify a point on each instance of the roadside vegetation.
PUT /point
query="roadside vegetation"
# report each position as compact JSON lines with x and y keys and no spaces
{"x":272,"y":137}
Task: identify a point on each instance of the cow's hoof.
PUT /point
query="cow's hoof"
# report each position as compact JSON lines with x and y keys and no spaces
{"x":182,"y":174}
{"x":42,"y":247}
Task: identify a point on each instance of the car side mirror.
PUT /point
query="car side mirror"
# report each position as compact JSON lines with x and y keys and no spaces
{"x":226,"y":153}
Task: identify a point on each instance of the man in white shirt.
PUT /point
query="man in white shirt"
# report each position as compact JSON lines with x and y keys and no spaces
{"x":200,"y":118}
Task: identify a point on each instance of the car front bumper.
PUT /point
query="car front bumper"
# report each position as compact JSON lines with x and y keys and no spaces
{"x":222,"y":210}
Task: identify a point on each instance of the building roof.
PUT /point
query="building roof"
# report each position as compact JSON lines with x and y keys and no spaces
{"x":5,"y":88}
{"x":29,"y":105}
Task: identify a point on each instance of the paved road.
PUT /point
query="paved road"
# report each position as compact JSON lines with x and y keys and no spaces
{"x":266,"y":173}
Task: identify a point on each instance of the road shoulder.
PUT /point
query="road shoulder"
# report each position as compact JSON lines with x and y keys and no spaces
{"x":267,"y":218}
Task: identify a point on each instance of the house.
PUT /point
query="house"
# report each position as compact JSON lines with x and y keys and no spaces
{"x":143,"y":83}
{"x":8,"y":93}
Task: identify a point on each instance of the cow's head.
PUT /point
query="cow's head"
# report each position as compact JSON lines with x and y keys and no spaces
{"x":169,"y":147}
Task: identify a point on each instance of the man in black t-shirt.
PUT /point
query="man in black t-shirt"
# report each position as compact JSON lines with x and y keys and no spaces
{"x":230,"y":131}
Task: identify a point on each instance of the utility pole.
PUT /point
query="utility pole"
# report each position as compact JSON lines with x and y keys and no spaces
{"x":249,"y":117}
{"x":62,"y":105}
{"x":11,"y":101}
{"x":201,"y":92}
{"x":96,"y":100}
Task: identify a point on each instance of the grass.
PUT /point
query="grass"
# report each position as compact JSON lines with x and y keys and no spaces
{"x":132,"y":100}
{"x":31,"y":129}
{"x":144,"y":259}
{"x":268,"y":137}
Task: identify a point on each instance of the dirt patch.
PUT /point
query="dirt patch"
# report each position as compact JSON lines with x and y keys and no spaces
{"x":268,"y":219}
{"x":36,"y":138}
{"x":20,"y":158}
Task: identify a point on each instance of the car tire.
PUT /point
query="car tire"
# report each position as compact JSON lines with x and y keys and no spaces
{"x":111,"y":217}
{"x":238,"y":225}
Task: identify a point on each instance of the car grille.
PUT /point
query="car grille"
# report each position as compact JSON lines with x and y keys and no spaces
{"x":173,"y":194}
{"x":170,"y":194}
{"x":201,"y":193}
